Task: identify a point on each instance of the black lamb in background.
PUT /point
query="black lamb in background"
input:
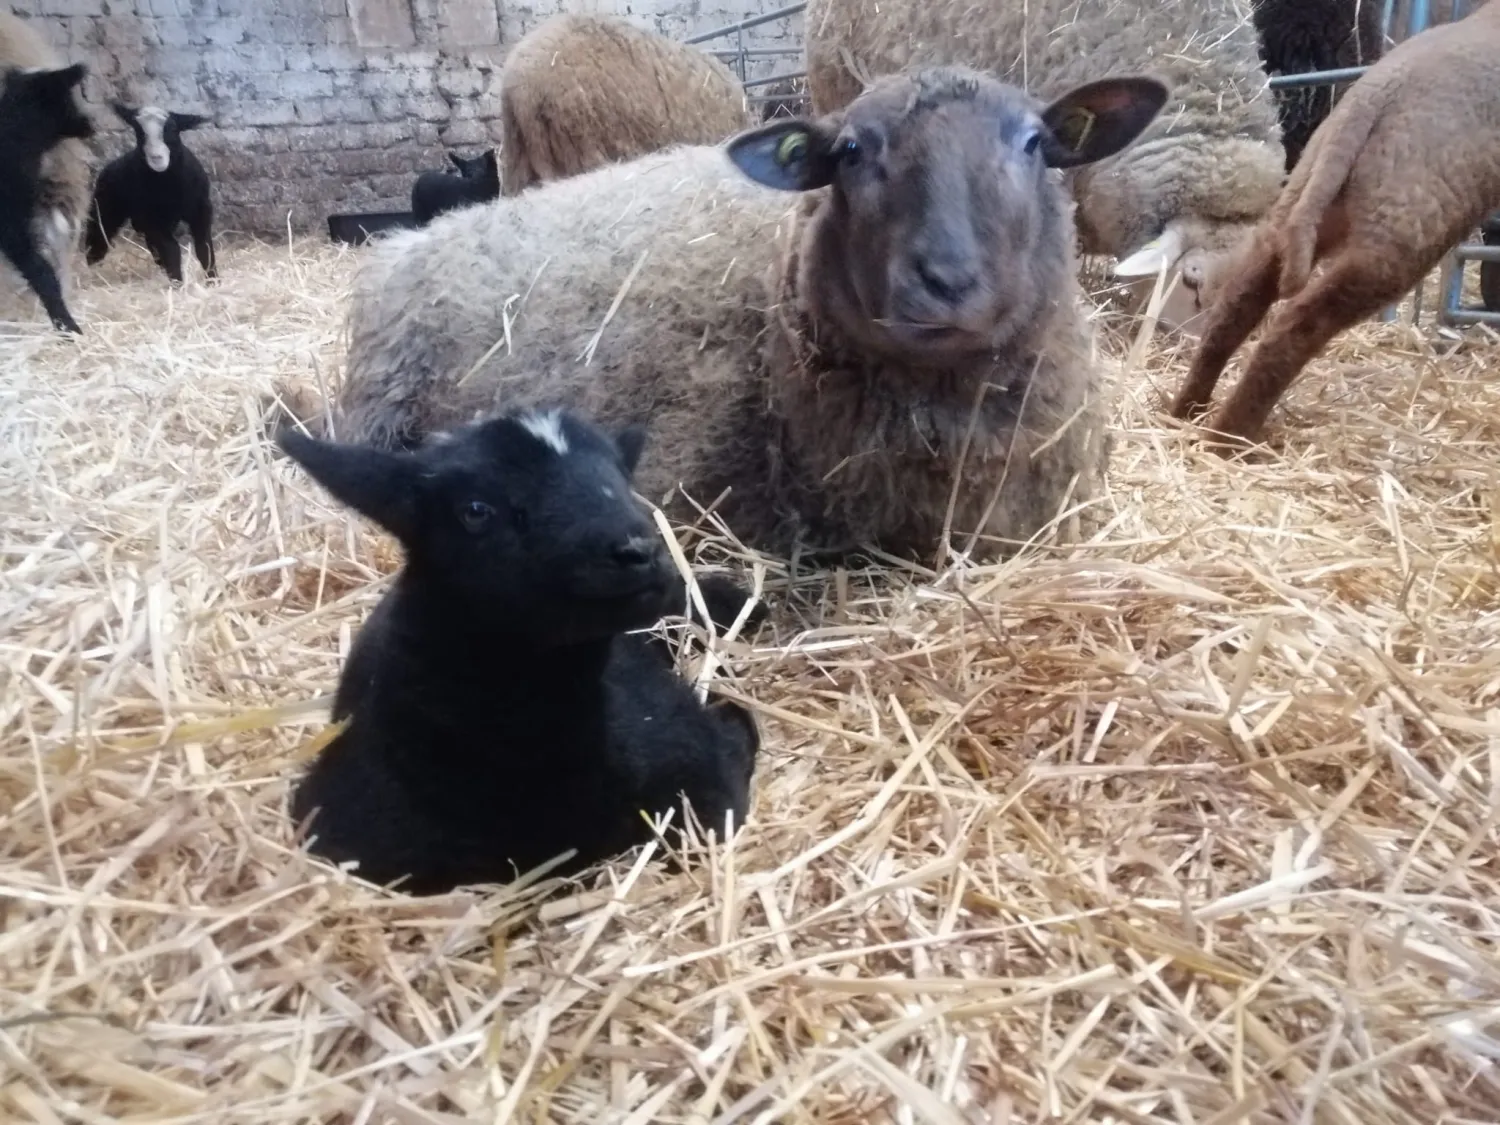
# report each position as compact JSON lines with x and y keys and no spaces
{"x":478,"y":181}
{"x":155,"y":186}
{"x":500,"y":713}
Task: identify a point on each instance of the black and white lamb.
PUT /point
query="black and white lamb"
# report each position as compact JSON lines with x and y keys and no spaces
{"x":155,"y":186}
{"x":38,"y":111}
{"x":478,"y":181}
{"x":500,"y":712}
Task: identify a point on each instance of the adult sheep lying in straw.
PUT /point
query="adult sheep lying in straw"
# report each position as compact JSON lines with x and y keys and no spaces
{"x":1405,"y":166}
{"x":1208,"y":167}
{"x":581,"y":91}
{"x":67,"y":170}
{"x":911,"y":336}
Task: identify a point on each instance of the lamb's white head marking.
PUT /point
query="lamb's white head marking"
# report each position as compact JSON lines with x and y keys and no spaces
{"x":546,"y":427}
{"x":153,"y":121}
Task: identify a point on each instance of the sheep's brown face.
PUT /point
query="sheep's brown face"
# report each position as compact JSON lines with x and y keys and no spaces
{"x":944,"y":232}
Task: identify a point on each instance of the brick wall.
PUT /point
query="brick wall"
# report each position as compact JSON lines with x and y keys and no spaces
{"x":322,"y":106}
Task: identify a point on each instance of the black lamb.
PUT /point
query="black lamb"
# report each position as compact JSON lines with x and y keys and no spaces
{"x":500,"y":713}
{"x":38,"y":110}
{"x":478,"y":180}
{"x":1300,"y":36}
{"x":155,"y":186}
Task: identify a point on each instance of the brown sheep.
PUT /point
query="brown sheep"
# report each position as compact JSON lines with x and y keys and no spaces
{"x":906,"y":337}
{"x":1204,"y":173}
{"x":581,"y":91}
{"x":1406,"y":165}
{"x":67,"y":170}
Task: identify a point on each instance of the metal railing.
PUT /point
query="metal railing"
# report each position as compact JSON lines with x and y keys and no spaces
{"x":1451,"y":310}
{"x":739,"y":56}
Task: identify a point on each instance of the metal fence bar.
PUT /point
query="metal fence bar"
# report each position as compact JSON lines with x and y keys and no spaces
{"x":1466,"y":317}
{"x":775,"y":78}
{"x":1316,"y":77}
{"x":747,"y":24}
{"x":755,"y":52}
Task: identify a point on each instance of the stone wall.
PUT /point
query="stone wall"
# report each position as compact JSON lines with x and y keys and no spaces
{"x":333,"y":105}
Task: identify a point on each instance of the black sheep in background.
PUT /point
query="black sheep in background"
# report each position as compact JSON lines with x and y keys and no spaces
{"x":155,"y":186}
{"x":38,"y":110}
{"x":1297,"y":36}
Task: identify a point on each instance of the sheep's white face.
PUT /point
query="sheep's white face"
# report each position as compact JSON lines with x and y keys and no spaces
{"x":153,"y":124}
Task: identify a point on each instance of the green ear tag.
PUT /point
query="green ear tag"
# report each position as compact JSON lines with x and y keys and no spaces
{"x":792,"y":147}
{"x":1075,"y":128}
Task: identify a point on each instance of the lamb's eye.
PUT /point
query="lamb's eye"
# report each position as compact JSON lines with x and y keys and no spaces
{"x":475,"y":515}
{"x":850,"y":151}
{"x":1032,"y":143}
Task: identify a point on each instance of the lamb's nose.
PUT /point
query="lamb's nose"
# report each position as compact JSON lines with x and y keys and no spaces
{"x":636,"y":553}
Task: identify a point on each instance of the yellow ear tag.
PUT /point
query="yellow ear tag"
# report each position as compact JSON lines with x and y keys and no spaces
{"x":792,"y":147}
{"x":1076,"y":127}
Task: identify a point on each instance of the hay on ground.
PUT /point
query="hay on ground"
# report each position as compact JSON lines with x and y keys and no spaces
{"x":1194,"y":823}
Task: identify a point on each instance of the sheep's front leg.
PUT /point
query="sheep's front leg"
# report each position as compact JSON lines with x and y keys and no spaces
{"x":201,"y":224}
{"x":40,"y":275}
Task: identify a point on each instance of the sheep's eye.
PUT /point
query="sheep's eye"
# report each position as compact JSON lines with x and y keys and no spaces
{"x":850,"y":151}
{"x":1033,"y":142}
{"x":475,"y":515}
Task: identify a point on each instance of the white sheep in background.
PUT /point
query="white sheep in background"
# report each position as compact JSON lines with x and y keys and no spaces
{"x":581,"y":91}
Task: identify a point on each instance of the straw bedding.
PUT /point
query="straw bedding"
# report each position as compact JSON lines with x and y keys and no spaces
{"x":1194,"y":823}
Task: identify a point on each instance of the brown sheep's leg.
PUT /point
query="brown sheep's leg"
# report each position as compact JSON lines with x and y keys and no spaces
{"x":1246,"y":296}
{"x":1351,"y":288}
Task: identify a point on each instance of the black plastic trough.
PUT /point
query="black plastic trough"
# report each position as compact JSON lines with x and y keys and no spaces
{"x":357,"y":229}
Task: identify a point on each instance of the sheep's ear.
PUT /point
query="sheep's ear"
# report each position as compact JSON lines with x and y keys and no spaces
{"x":456,"y":160}
{"x":186,"y":121}
{"x":791,"y":154}
{"x":64,"y":78}
{"x":123,"y":112}
{"x":1149,"y":259}
{"x":1099,"y":119}
{"x":631,"y":442}
{"x":377,"y":484}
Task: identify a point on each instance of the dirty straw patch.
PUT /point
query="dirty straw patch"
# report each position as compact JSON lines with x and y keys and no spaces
{"x":1192,"y":824}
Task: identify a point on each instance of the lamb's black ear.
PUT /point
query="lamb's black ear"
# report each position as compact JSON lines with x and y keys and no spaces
{"x":123,"y":112}
{"x":1098,"y":119}
{"x":631,"y":442}
{"x":790,"y":154}
{"x":457,"y":161}
{"x":377,"y":484}
{"x":186,"y":121}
